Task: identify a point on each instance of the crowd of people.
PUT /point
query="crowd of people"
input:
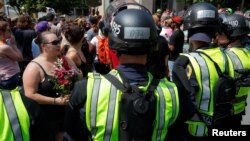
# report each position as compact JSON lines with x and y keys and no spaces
{"x":128,"y":76}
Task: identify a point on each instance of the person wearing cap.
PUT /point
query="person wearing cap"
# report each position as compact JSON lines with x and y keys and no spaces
{"x":195,"y":72}
{"x":39,"y":27}
{"x":176,"y":42}
{"x":158,"y":13}
{"x":61,"y":22}
{"x":50,"y":17}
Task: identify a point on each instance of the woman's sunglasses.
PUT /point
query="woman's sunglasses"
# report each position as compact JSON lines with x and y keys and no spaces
{"x":55,"y":42}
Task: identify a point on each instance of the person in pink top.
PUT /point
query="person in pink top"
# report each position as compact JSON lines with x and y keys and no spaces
{"x":167,"y":30}
{"x":9,"y":57}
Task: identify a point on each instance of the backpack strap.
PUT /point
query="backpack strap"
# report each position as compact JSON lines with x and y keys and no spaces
{"x":117,"y":83}
{"x":123,"y":125}
{"x":126,"y":87}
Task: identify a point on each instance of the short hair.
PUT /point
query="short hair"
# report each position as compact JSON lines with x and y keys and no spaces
{"x":24,"y":21}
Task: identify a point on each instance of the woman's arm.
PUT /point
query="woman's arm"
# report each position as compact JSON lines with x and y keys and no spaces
{"x":31,"y":79}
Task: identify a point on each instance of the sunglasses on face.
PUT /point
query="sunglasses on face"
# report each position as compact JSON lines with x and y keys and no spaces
{"x":55,"y":42}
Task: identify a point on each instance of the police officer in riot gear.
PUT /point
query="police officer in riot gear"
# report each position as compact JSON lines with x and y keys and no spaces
{"x":96,"y":107}
{"x":232,"y":35}
{"x":196,"y":73}
{"x":235,"y":28}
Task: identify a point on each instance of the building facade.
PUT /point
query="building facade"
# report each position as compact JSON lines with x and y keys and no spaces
{"x":178,"y":5}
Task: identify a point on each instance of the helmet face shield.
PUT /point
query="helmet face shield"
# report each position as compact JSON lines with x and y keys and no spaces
{"x":117,"y":6}
{"x":234,"y":25}
{"x":133,"y":31}
{"x":201,"y":15}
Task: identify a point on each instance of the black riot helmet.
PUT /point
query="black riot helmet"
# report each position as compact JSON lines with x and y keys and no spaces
{"x":133,"y":31}
{"x":234,"y":25}
{"x":201,"y":16}
{"x":222,"y":23}
{"x":116,"y":5}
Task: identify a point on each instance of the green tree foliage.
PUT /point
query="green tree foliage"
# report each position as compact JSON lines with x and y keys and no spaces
{"x":34,"y":6}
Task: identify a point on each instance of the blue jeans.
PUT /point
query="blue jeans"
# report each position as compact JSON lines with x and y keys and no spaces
{"x":11,"y":83}
{"x":170,"y":68}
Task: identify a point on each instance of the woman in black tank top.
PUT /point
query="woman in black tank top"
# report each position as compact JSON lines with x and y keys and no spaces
{"x":75,"y":36}
{"x":38,"y":85}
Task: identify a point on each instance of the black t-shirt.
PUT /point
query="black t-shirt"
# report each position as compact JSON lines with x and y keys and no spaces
{"x":177,"y":40}
{"x":156,"y":61}
{"x":24,"y":39}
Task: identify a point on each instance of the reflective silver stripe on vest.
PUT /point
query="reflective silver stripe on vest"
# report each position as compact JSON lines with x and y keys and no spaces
{"x":94,"y":100}
{"x":205,"y":97}
{"x":12,"y":115}
{"x":236,"y":60}
{"x":174,"y":105}
{"x":111,"y":112}
{"x":162,"y":108}
{"x":200,"y":130}
{"x":236,"y":63}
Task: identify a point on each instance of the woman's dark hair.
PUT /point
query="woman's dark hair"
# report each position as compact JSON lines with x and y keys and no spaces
{"x":40,"y":38}
{"x":73,"y":33}
{"x":24,"y":22}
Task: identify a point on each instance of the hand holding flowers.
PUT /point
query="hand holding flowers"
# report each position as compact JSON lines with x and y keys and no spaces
{"x":64,"y":76}
{"x":61,"y":100}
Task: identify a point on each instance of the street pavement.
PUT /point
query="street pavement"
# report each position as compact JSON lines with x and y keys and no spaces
{"x":246,"y":118}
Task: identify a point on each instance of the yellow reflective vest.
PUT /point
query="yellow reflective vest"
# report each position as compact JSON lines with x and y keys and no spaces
{"x":103,"y":101}
{"x":241,"y":60}
{"x":14,"y":118}
{"x":206,"y":77}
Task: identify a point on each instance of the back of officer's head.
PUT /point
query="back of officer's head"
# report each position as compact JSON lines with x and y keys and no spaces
{"x":235,"y":26}
{"x":201,"y":17}
{"x":133,"y":32}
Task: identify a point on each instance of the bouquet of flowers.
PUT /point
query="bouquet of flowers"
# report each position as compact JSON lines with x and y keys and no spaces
{"x":64,"y":75}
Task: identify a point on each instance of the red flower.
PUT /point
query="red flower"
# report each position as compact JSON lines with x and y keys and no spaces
{"x":65,"y":63}
{"x":64,"y":82}
{"x":59,"y":74}
{"x":64,"y":76}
